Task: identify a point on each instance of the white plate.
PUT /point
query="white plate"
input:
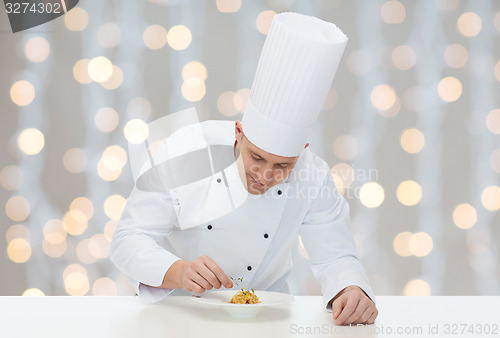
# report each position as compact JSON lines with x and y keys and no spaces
{"x":221,"y":298}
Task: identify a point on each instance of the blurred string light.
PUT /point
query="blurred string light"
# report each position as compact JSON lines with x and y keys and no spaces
{"x":465,"y":216}
{"x":136,"y":131}
{"x":450,"y":89}
{"x":37,"y":49}
{"x":469,"y":24}
{"x":417,"y":287}
{"x":139,"y":108}
{"x":412,"y":140}
{"x":17,"y":208}
{"x":393,"y":12}
{"x":22,"y":93}
{"x":179,"y":37}
{"x":106,"y":119}
{"x":263,"y":21}
{"x":33,"y":292}
{"x":11,"y":177}
{"x":75,"y":160}
{"x":409,"y":193}
{"x":104,"y":287}
{"x":31,"y":141}
{"x":100,"y":69}
{"x":490,"y":197}
{"x":228,"y":6}
{"x":80,"y":71}
{"x":371,"y":194}
{"x":76,"y":281}
{"x":155,"y":37}
{"x":419,"y":244}
{"x":493,"y":121}
{"x":497,"y":71}
{"x":76,"y":19}
{"x":404,"y":57}
{"x":113,"y":206}
{"x":456,"y":55}
{"x":495,"y":160}
{"x":330,"y":101}
{"x":343,"y":176}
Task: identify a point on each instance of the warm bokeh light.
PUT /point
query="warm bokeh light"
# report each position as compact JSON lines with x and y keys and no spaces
{"x":420,"y":244}
{"x":84,"y":205}
{"x":75,"y":222}
{"x":108,"y":35}
{"x":417,"y":287}
{"x":17,"y":208}
{"x":75,"y":160}
{"x":37,"y":49}
{"x":106,"y":119}
{"x":109,"y":229}
{"x":114,"y":158}
{"x":99,"y":246}
{"x":83,"y":252}
{"x":359,"y":62}
{"x":19,"y":250}
{"x":495,"y":160}
{"x":464,"y":216}
{"x":450,"y":89}
{"x":345,"y":147}
{"x":107,"y":174}
{"x":11,"y":177}
{"x":17,"y":231}
{"x":241,"y":99}
{"x":54,"y":243}
{"x":393,"y":12}
{"x":456,"y":55}
{"x":80,"y":71}
{"x":31,"y":141}
{"x":409,"y":193}
{"x":115,"y":80}
{"x":22,"y":93}
{"x":76,"y":19}
{"x":383,"y":97}
{"x":490,"y":198}
{"x":331,"y":99}
{"x":401,"y":244}
{"x":404,"y":57}
{"x":136,"y":131}
{"x":76,"y":284}
{"x":54,"y":250}
{"x":113,"y":206}
{"x":194,"y":69}
{"x":155,"y":37}
{"x":193,"y":89}
{"x":393,"y":111}
{"x":179,"y":37}
{"x":343,"y":176}
{"x":100,"y":69}
{"x":264,"y":20}
{"x":412,"y":140}
{"x":228,"y":6}
{"x":104,"y":287}
{"x":226,"y":105}
{"x":139,"y":108}
{"x":493,"y":121}
{"x":469,"y":24}
{"x":33,"y":292}
{"x":371,"y":195}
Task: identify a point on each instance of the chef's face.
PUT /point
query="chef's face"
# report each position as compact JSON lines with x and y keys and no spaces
{"x":262,"y":170}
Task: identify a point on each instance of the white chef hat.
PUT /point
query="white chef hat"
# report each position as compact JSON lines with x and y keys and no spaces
{"x":295,"y":71}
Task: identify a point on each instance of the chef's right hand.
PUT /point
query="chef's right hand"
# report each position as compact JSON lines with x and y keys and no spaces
{"x":202,"y":274}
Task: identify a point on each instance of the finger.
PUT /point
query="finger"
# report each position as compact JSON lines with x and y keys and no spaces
{"x":337,"y":306}
{"x":209,"y":276}
{"x":364,"y":316}
{"x":193,"y":287}
{"x":198,"y":279}
{"x":217,"y":271}
{"x":372,"y":318}
{"x":348,"y":310}
{"x":361,"y":308}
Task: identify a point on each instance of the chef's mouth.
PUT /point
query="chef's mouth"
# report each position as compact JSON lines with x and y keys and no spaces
{"x":256,"y":182}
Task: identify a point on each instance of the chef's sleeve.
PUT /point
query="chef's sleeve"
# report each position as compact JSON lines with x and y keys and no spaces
{"x":327,"y":238}
{"x":146,"y":219}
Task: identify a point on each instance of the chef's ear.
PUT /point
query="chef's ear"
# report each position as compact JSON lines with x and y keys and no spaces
{"x":238,"y":130}
{"x":307,"y":145}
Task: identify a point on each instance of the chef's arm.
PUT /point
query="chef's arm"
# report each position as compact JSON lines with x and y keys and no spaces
{"x":146,"y":219}
{"x":327,"y":238}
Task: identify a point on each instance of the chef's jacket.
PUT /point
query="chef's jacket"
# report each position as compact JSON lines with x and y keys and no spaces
{"x":252,"y":237}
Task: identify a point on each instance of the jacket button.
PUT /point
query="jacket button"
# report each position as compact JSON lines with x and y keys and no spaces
{"x":209,"y":227}
{"x":249,"y":268}
{"x":218,"y":180}
{"x":266,"y":235}
{"x":279,"y":192}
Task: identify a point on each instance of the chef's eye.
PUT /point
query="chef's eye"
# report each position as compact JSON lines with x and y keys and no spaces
{"x":281,"y":166}
{"x":256,"y":158}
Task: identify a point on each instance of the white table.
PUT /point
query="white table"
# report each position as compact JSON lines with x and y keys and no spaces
{"x":179,"y":316}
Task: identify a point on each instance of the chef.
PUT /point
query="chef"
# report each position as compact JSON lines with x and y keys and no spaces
{"x":235,"y":196}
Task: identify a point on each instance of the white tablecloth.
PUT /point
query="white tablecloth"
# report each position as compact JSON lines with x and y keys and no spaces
{"x":125,"y":317}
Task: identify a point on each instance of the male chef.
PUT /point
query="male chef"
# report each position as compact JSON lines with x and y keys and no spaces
{"x":238,"y":194}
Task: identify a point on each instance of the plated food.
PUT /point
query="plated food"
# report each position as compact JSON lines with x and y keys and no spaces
{"x":245,"y":297}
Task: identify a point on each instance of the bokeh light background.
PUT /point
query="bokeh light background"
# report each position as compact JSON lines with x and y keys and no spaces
{"x":410,"y":128}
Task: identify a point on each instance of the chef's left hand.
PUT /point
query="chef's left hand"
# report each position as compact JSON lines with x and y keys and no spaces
{"x":353,"y":306}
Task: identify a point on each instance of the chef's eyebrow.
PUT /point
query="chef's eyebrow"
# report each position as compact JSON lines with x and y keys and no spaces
{"x":260,"y":157}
